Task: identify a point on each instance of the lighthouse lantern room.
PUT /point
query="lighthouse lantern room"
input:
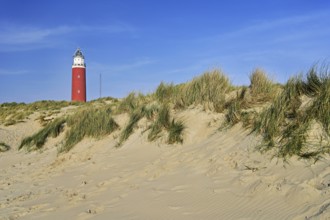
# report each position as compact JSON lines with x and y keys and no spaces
{"x":78,"y":77}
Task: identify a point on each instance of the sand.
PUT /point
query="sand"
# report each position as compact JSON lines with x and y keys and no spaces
{"x":212,"y":175}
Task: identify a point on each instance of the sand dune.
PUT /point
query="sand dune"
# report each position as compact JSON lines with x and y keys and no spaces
{"x":212,"y":175}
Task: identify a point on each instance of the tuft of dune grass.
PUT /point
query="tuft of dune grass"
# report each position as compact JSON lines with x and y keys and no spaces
{"x":163,"y":122}
{"x":4,"y":147}
{"x":132,"y":102}
{"x":38,"y":140}
{"x":285,"y":124}
{"x":12,"y":113}
{"x":208,"y":90}
{"x":160,"y":118}
{"x":175,"y":132}
{"x":89,"y":122}
{"x":129,"y":128}
{"x":261,"y":87}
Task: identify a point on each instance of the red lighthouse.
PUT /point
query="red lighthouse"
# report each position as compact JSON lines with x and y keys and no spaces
{"x":78,"y":77}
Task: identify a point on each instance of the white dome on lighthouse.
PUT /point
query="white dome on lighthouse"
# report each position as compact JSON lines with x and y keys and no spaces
{"x":78,"y":59}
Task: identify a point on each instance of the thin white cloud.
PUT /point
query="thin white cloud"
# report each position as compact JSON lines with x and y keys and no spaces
{"x":267,"y":25}
{"x":13,"y":72}
{"x":28,"y":35}
{"x":20,"y":38}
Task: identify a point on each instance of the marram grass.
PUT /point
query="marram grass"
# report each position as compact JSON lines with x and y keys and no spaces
{"x":160,"y":118}
{"x":161,"y":122}
{"x":208,"y":90}
{"x":129,"y":128}
{"x":4,"y":147}
{"x":90,"y":122}
{"x":38,"y":140}
{"x":285,"y":125}
{"x":261,"y":87}
{"x":13,"y":113}
{"x":175,"y":132}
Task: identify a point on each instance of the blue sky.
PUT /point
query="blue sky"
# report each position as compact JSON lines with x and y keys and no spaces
{"x":136,"y":44}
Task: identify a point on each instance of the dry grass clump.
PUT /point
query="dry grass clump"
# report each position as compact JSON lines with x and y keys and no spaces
{"x":12,"y":113}
{"x":163,"y":122}
{"x":160,"y":118}
{"x":89,"y":122}
{"x":285,"y":124}
{"x":313,"y":83}
{"x":320,"y":107}
{"x":38,"y":140}
{"x":4,"y":147}
{"x":262,"y":89}
{"x":208,"y":90}
{"x":131,"y":102}
{"x":235,"y":106}
{"x":170,"y":93}
{"x":129,"y":128}
{"x":175,"y":132}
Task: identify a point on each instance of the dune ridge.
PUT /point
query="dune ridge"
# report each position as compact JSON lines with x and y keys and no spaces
{"x":212,"y":175}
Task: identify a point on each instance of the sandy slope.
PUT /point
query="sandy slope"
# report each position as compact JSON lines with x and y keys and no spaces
{"x":213,"y":175}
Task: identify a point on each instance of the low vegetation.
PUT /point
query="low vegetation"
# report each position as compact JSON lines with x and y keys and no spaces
{"x":12,"y":113}
{"x":286,"y":124}
{"x":4,"y":147}
{"x":38,"y":140}
{"x":262,"y":89}
{"x":260,"y":92}
{"x":284,"y":115}
{"x":88,"y":122}
{"x":160,"y":120}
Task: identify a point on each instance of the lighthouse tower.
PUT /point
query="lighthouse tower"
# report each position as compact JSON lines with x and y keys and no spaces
{"x":78,"y":77}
